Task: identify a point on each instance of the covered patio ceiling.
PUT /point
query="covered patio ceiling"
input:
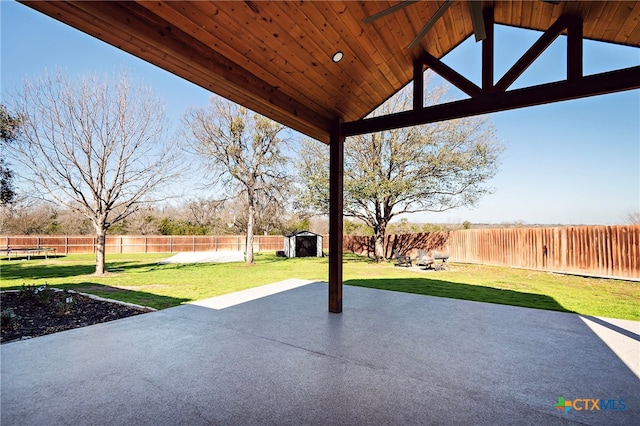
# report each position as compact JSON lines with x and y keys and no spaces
{"x":279,"y":59}
{"x":276,"y":57}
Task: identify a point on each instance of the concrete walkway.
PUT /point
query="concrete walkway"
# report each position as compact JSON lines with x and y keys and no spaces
{"x":388,"y":359}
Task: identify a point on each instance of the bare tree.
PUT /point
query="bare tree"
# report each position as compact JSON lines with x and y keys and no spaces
{"x":95,"y":144}
{"x":633,"y":218}
{"x":433,"y":167}
{"x":243,"y":151}
{"x":204,"y":212}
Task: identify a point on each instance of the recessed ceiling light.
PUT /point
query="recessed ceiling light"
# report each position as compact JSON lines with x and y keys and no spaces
{"x":337,"y":57}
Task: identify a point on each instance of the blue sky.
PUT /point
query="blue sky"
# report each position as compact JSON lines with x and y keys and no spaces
{"x":575,"y":162}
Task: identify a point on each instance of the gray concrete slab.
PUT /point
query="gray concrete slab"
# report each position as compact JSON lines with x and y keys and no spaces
{"x":388,"y":359}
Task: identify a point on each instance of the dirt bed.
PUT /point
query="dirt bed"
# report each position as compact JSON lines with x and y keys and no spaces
{"x":36,"y":312}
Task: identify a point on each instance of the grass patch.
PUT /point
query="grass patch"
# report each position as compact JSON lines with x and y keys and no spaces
{"x":138,"y":278}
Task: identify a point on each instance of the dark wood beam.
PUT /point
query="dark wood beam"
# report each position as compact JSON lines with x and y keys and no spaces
{"x":532,"y":54}
{"x":592,"y":85}
{"x":336,"y":173}
{"x":418,"y":85}
{"x":487,"y":50}
{"x":449,"y":74}
{"x":574,"y":49}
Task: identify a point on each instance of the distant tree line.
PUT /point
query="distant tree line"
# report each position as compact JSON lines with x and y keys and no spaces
{"x":193,"y":218}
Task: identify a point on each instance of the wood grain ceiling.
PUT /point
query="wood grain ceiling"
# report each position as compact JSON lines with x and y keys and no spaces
{"x":275,"y":57}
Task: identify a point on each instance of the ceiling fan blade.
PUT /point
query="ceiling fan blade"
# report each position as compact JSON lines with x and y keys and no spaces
{"x":477,"y":20}
{"x":392,"y":9}
{"x":441,"y":10}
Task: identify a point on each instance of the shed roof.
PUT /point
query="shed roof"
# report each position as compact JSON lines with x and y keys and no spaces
{"x":302,"y":234}
{"x":276,"y":57}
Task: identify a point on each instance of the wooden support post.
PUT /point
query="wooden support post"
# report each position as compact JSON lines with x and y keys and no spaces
{"x":418,"y":84}
{"x":336,"y":173}
{"x":487,"y":50}
{"x":574,"y":49}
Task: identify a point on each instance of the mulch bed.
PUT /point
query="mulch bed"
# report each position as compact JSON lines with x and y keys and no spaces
{"x":34,"y":312}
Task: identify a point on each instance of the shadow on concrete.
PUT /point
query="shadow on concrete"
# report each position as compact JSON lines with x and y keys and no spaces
{"x":452,"y":290}
{"x":613,"y":327}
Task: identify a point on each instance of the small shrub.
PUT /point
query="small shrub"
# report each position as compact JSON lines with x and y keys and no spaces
{"x":6,"y":316}
{"x":42,"y":295}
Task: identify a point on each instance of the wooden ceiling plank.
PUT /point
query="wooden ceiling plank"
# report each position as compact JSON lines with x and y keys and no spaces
{"x":386,"y":62}
{"x":593,"y":16}
{"x":449,"y":24}
{"x":125,"y":16}
{"x":256,"y":61}
{"x":438,"y":40}
{"x":516,"y":11}
{"x":284,"y":35}
{"x":527,"y":13}
{"x":537,"y":11}
{"x":77,"y":17}
{"x":190,"y":20}
{"x":360,"y":42}
{"x":307,"y":38}
{"x":626,"y":16}
{"x":631,"y":25}
{"x":351,"y":71}
{"x":599,"y":28}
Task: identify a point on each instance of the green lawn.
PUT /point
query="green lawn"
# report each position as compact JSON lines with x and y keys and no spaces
{"x":137,"y":278}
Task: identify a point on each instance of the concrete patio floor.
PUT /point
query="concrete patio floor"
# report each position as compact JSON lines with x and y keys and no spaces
{"x":389,"y":359}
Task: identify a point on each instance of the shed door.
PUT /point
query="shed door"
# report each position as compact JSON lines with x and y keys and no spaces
{"x":306,"y":246}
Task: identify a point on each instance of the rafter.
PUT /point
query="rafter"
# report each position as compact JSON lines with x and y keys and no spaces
{"x":493,"y":98}
{"x":598,"y":84}
{"x":545,"y":40}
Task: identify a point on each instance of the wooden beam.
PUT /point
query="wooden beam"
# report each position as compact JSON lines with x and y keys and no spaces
{"x":592,"y":85}
{"x":418,"y":85}
{"x":487,"y":50}
{"x":449,"y":74}
{"x":574,"y":49}
{"x":532,"y":54}
{"x":336,"y":174}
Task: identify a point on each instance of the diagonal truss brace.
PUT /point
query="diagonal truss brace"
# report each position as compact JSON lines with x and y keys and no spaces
{"x":496,"y":97}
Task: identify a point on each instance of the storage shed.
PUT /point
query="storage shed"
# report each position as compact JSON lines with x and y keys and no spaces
{"x":302,"y":244}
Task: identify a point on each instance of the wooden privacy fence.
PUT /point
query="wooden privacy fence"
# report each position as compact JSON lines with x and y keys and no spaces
{"x":607,"y":251}
{"x":70,"y":244}
{"x":408,"y":244}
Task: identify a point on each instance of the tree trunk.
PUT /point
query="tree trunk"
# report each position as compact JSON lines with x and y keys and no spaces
{"x":250,"y":225}
{"x":379,"y":233}
{"x":100,"y":249}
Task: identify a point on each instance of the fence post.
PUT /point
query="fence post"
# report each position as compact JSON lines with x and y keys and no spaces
{"x":193,"y":243}
{"x":170,"y":243}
